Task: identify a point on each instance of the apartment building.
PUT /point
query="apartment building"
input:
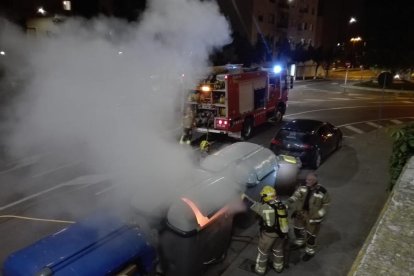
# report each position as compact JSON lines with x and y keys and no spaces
{"x":275,"y":20}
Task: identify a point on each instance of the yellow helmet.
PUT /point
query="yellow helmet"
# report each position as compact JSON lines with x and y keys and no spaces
{"x":268,"y":193}
{"x":204,"y":145}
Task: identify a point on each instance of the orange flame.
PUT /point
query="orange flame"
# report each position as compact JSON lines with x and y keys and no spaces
{"x":201,"y":219}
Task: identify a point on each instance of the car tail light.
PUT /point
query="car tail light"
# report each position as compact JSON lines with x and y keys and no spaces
{"x":276,"y":142}
{"x":306,"y":146}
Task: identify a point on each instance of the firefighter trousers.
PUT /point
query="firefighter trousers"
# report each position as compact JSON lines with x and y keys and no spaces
{"x":306,"y":232}
{"x":269,"y":243}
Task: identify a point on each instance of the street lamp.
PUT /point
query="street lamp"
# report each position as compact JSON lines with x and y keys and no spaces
{"x":41,"y":10}
{"x":355,"y":39}
{"x":352,"y":20}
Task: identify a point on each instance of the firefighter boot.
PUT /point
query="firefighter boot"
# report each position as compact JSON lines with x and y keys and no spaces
{"x":306,"y":257}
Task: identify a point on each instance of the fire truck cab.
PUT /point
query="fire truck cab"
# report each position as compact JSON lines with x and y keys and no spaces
{"x":232,"y":100}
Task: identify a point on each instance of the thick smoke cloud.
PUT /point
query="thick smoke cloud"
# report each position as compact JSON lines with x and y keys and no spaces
{"x":109,"y":92}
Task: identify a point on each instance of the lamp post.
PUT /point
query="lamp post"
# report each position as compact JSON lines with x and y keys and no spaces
{"x":355,"y":40}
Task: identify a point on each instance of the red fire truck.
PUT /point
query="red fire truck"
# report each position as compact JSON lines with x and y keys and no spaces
{"x":233,"y":100}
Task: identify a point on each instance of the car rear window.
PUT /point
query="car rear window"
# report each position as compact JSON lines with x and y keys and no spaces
{"x":292,"y":135}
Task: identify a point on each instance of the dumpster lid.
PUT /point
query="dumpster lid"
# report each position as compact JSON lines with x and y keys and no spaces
{"x":200,"y":206}
{"x":249,"y":163}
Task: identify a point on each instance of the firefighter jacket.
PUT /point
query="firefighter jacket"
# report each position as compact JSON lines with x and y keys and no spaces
{"x":273,"y":217}
{"x":188,"y":120}
{"x":315,"y":201}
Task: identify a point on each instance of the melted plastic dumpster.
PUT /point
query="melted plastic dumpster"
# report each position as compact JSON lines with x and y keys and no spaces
{"x":99,"y":245}
{"x":199,"y":226}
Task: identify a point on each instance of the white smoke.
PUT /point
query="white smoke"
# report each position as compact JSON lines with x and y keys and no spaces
{"x":110,"y":92}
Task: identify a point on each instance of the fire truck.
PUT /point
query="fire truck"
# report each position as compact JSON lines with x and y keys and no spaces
{"x":232,"y":100}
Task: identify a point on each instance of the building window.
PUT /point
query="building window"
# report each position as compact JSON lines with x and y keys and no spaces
{"x":260,"y":18}
{"x":67,"y":5}
{"x":310,"y":27}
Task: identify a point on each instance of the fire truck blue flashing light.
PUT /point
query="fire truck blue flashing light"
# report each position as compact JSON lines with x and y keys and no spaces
{"x":277,"y":69}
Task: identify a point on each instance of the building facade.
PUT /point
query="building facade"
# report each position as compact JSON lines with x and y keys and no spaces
{"x":273,"y":21}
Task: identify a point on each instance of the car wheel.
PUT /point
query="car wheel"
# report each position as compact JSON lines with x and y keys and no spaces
{"x":339,"y":143}
{"x":318,"y":160}
{"x":247,"y":130}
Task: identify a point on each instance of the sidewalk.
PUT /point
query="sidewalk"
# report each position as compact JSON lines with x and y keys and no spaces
{"x":388,"y":249}
{"x":358,"y":193}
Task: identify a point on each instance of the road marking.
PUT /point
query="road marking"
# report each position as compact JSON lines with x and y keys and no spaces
{"x":341,"y":99}
{"x":374,"y":124}
{"x":408,"y":102}
{"x":81,"y":180}
{"x":354,"y":129}
{"x":397,"y":122}
{"x":338,"y":108}
{"x":314,"y":100}
{"x":37,"y":219}
{"x":25,"y":162}
{"x":56,"y":169}
{"x":105,"y":190}
{"x":323,"y":90}
{"x":365,"y":98}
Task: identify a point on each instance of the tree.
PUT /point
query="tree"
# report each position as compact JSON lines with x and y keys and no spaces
{"x":402,"y":150}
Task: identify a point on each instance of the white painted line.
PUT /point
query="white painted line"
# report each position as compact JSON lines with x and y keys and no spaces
{"x":337,"y":108}
{"x":365,"y":98}
{"x":397,"y":122}
{"x":56,"y":169}
{"x":81,"y":180}
{"x":25,"y":162}
{"x":408,"y":102}
{"x":383,"y":119}
{"x":341,"y":99}
{"x":354,"y":129}
{"x":348,"y":137}
{"x":374,"y":124}
{"x":314,"y":100}
{"x":105,"y":190}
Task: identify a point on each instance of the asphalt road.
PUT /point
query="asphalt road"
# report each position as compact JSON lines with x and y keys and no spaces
{"x":43,"y":186}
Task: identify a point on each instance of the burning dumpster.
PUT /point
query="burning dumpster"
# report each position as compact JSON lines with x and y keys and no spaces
{"x":199,"y":226}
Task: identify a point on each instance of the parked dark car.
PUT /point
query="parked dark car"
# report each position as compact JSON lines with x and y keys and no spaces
{"x":310,"y":140}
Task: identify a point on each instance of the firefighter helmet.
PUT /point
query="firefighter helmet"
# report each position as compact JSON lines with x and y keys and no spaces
{"x":268,"y":193}
{"x":204,"y":145}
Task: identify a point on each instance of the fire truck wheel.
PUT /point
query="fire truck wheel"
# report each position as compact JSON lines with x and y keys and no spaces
{"x":247,"y":130}
{"x":278,"y":116}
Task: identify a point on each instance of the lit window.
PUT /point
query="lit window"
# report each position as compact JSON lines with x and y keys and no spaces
{"x":67,"y":6}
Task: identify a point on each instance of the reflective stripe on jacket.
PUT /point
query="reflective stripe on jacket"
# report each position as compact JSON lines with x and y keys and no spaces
{"x":319,"y":201}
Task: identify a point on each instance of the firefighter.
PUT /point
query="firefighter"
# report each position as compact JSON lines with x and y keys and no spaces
{"x":309,"y":204}
{"x":273,"y":229}
{"x":205,"y":146}
{"x":188,"y":123}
